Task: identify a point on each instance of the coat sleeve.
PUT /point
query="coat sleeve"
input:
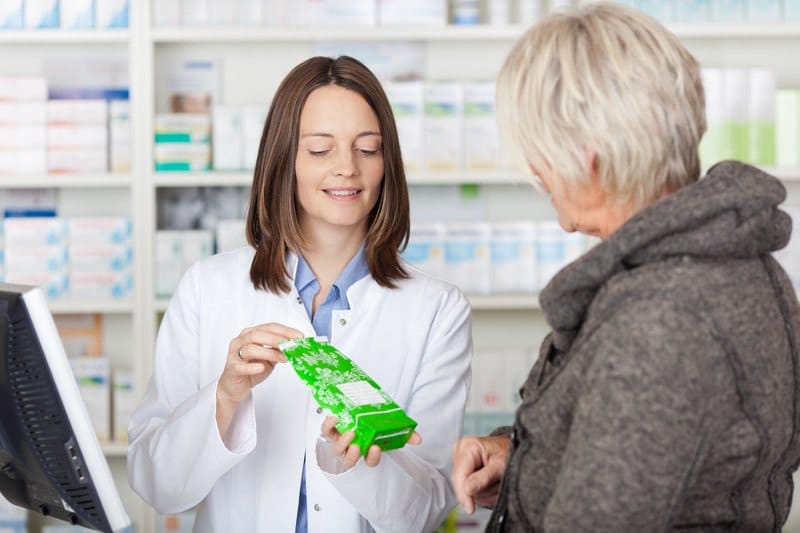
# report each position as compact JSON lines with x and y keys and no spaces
{"x":410,"y":490}
{"x":643,"y":422}
{"x":176,"y":453}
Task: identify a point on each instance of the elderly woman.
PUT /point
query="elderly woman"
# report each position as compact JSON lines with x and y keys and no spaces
{"x":666,"y":396}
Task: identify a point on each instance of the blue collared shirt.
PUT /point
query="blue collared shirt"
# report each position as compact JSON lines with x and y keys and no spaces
{"x":307,"y":287}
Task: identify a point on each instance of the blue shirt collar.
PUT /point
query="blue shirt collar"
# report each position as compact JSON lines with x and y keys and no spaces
{"x":355,"y":270}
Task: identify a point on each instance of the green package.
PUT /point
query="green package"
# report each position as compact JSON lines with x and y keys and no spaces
{"x":342,"y":389}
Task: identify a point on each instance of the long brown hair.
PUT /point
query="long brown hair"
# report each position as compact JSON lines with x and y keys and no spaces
{"x":272,"y":224}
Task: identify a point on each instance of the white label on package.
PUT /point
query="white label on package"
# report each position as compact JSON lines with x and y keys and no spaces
{"x":361,"y":393}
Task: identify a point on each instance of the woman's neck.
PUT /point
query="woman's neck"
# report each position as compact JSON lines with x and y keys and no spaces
{"x":328,"y":253}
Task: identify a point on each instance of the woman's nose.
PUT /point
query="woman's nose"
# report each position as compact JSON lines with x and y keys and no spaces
{"x":346,"y":165}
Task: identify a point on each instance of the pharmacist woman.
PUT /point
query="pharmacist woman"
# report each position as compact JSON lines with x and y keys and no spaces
{"x":225,"y":425}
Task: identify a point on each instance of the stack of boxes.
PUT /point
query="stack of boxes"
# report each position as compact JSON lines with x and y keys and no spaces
{"x":108,"y":395}
{"x":77,"y":136}
{"x":300,"y":13}
{"x":719,"y":11}
{"x":494,"y":258}
{"x":175,"y":252}
{"x":23,"y":125}
{"x":36,"y":253}
{"x":444,"y":103}
{"x":481,"y":139}
{"x":236,"y":135}
{"x":749,"y":120}
{"x":446,"y":126}
{"x":514,"y":260}
{"x":38,"y":135}
{"x":93,"y":375}
{"x":408,"y":106}
{"x":182,"y":142}
{"x":100,"y":258}
{"x":82,"y":258}
{"x":64,"y":14}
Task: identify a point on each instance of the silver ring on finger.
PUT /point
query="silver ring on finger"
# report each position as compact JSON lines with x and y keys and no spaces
{"x":239,"y":353}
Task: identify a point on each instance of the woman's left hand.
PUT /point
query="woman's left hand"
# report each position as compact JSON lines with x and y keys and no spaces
{"x":350,"y":454}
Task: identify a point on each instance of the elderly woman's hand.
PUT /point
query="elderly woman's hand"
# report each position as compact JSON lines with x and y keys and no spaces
{"x":350,"y":454}
{"x":478,"y":466}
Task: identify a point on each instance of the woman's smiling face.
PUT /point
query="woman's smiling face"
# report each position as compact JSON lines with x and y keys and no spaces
{"x":339,"y":163}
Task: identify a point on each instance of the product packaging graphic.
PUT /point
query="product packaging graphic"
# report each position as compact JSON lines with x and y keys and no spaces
{"x":345,"y":391}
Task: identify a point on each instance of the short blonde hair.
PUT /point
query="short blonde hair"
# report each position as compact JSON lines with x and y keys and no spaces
{"x":604,"y":78}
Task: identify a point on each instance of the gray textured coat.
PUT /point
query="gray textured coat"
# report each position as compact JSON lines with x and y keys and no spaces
{"x":666,"y":396}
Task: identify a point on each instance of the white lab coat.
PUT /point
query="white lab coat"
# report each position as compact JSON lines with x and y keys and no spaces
{"x":415,"y":341}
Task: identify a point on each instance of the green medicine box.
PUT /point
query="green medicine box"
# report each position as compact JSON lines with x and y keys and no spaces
{"x":342,"y":389}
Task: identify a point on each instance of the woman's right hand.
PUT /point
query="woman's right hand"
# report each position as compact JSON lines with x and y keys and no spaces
{"x":252,"y":356}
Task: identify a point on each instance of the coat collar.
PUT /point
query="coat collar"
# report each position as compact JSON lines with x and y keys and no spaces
{"x":360,"y":291}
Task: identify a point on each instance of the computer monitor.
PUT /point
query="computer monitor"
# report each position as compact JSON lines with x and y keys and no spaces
{"x":50,"y":459}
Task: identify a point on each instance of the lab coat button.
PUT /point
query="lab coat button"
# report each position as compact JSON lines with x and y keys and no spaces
{"x":316,"y":507}
{"x":299,"y":300}
{"x":319,"y":410}
{"x":342,"y":322}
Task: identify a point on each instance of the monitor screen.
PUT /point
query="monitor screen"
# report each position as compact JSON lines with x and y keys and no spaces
{"x":50,"y":459}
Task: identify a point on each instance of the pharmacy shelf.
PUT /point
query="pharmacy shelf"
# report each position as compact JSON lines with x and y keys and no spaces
{"x":71,"y":307}
{"x":56,"y":36}
{"x":212,"y":179}
{"x":336,"y":33}
{"x":202,"y":179}
{"x":775,"y":30}
{"x":65,"y":180}
{"x":114,"y":449}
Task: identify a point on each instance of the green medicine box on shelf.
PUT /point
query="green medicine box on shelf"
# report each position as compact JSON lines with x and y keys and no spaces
{"x":342,"y":389}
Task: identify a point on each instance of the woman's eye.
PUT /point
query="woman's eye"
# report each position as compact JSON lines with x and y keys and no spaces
{"x":318,"y":153}
{"x":366,"y":153}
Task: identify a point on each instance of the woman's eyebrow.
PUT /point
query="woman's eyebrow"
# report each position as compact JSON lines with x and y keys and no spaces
{"x":329,"y":135}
